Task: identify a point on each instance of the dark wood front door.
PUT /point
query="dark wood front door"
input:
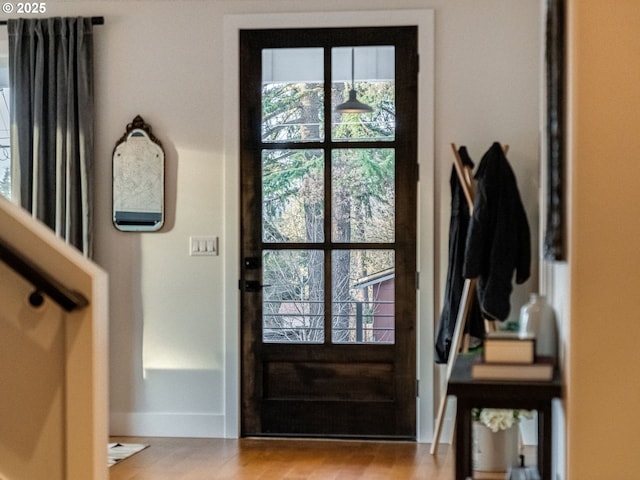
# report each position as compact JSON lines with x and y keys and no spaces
{"x":328,"y":235}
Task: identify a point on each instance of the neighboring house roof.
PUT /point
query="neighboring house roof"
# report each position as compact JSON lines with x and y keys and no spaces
{"x":375,"y":278}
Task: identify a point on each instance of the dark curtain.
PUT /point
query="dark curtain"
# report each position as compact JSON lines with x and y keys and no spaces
{"x":51,"y":81}
{"x":554,"y":236}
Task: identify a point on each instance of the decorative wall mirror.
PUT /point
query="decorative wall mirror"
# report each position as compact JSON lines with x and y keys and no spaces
{"x":138,"y":180}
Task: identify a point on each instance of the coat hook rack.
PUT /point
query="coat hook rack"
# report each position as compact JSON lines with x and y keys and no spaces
{"x":459,"y":341}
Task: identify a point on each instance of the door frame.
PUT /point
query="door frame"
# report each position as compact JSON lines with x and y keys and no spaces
{"x":425,"y":308}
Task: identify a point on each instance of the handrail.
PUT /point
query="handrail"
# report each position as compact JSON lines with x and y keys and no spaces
{"x":43,"y":282}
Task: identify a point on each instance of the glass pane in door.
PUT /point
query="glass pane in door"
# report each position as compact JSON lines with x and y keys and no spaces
{"x":366,"y":74}
{"x":292,"y":94}
{"x":363,"y":195}
{"x":293,"y":296}
{"x":292,"y":196}
{"x":363,"y":296}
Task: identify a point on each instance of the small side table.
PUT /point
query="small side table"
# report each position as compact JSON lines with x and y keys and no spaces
{"x":471,"y":393}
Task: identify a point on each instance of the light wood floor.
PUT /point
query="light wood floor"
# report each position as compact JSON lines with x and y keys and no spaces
{"x":282,"y":459}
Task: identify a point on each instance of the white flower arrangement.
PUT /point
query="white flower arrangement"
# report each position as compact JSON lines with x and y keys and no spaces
{"x":499,"y":418}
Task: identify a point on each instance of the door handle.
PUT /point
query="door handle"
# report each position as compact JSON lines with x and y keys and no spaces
{"x":253,"y":286}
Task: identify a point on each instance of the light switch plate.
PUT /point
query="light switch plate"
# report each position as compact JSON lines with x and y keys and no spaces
{"x":203,"y":245}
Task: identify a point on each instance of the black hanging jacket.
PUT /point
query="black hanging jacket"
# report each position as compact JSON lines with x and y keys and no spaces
{"x":455,"y":281}
{"x":498,"y":240}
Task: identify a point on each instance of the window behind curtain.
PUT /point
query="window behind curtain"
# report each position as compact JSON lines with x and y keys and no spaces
{"x":5,"y":137}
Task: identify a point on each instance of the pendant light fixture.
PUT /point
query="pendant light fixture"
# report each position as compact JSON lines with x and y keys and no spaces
{"x":353,"y":105}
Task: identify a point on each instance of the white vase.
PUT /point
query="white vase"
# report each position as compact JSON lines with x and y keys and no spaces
{"x":538,"y":318}
{"x":494,"y":451}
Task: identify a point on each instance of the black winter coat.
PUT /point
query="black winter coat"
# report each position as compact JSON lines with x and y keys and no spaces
{"x":498,"y":240}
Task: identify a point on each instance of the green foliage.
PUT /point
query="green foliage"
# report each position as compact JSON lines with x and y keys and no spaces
{"x":292,"y":111}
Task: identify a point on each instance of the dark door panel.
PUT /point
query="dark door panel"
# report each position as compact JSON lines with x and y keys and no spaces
{"x":328,"y":232}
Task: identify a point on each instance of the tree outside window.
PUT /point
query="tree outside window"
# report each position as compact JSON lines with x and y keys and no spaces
{"x":363,"y":207}
{"x":5,"y":144}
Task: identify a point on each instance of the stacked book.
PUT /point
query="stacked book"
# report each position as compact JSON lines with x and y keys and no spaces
{"x":511,"y":356}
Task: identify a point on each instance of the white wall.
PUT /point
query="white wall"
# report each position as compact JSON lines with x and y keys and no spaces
{"x":171,"y":370}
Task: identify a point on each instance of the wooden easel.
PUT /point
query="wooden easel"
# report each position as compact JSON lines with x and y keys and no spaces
{"x":459,"y":341}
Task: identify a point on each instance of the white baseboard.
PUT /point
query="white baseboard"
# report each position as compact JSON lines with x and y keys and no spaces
{"x":205,"y":425}
{"x":196,"y":425}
